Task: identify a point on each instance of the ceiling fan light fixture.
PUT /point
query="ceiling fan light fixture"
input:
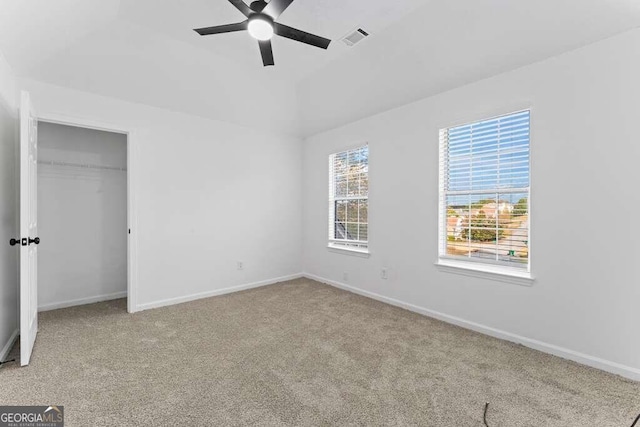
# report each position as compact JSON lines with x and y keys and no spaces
{"x":261,"y":25}
{"x":260,"y":28}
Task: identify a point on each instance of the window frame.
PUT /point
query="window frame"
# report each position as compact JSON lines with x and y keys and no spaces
{"x":352,"y":247}
{"x":481,"y":267}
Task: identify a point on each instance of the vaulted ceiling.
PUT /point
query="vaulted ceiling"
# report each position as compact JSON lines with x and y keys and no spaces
{"x":145,"y":51}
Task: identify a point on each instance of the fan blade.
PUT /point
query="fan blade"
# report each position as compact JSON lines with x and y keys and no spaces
{"x":242,"y":7}
{"x":229,"y":28}
{"x":266,"y":52}
{"x":301,"y":36}
{"x":275,"y":7}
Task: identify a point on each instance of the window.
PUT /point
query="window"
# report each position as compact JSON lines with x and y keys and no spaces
{"x":484,"y":192}
{"x":349,"y":199}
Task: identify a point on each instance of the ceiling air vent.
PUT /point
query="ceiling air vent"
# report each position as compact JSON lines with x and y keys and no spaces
{"x":355,"y":37}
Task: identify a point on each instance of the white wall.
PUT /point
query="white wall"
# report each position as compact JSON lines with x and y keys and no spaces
{"x":8,"y":208}
{"x":584,"y":302}
{"x":207,"y":194}
{"x":82,"y":216}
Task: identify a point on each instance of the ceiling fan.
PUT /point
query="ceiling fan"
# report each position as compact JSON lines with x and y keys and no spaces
{"x":260,"y":23}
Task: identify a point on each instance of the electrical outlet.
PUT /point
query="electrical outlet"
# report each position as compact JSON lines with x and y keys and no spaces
{"x":240,"y":265}
{"x":384,"y":273}
{"x":345,"y":276}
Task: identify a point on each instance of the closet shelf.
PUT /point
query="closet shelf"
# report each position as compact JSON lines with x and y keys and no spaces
{"x":80,"y":165}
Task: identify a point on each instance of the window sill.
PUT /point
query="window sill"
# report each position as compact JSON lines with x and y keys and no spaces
{"x":485,"y":272}
{"x":362,"y":253}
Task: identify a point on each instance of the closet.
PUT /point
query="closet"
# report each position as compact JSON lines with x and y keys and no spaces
{"x":82,"y":215}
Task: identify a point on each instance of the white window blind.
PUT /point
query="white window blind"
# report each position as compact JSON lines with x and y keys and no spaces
{"x":349,"y":199}
{"x":484,"y":191}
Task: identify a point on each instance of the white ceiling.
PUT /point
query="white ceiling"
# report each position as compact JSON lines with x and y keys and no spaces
{"x":450,"y":43}
{"x":332,"y":19}
{"x":34,"y":30}
{"x":146,"y":51}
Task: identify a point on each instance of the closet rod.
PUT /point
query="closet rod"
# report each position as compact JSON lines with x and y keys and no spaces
{"x":80,"y":165}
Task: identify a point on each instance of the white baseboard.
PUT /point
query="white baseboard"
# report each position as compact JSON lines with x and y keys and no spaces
{"x":9,"y":345}
{"x":215,"y":292}
{"x":81,"y":301}
{"x":585,"y":359}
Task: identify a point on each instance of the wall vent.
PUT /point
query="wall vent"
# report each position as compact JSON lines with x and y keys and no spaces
{"x":355,"y":37}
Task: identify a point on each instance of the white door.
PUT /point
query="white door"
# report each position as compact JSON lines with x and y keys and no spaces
{"x":28,"y":228}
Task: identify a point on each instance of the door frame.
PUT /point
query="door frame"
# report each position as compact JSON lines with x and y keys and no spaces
{"x":132,"y":215}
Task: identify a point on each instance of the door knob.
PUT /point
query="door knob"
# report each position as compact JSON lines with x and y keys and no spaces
{"x":14,"y":242}
{"x":36,"y":240}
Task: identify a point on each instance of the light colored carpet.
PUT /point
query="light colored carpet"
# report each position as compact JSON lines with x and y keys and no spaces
{"x":300,"y":353}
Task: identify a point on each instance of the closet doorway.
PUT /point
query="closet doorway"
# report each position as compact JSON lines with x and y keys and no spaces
{"x":82,"y":215}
